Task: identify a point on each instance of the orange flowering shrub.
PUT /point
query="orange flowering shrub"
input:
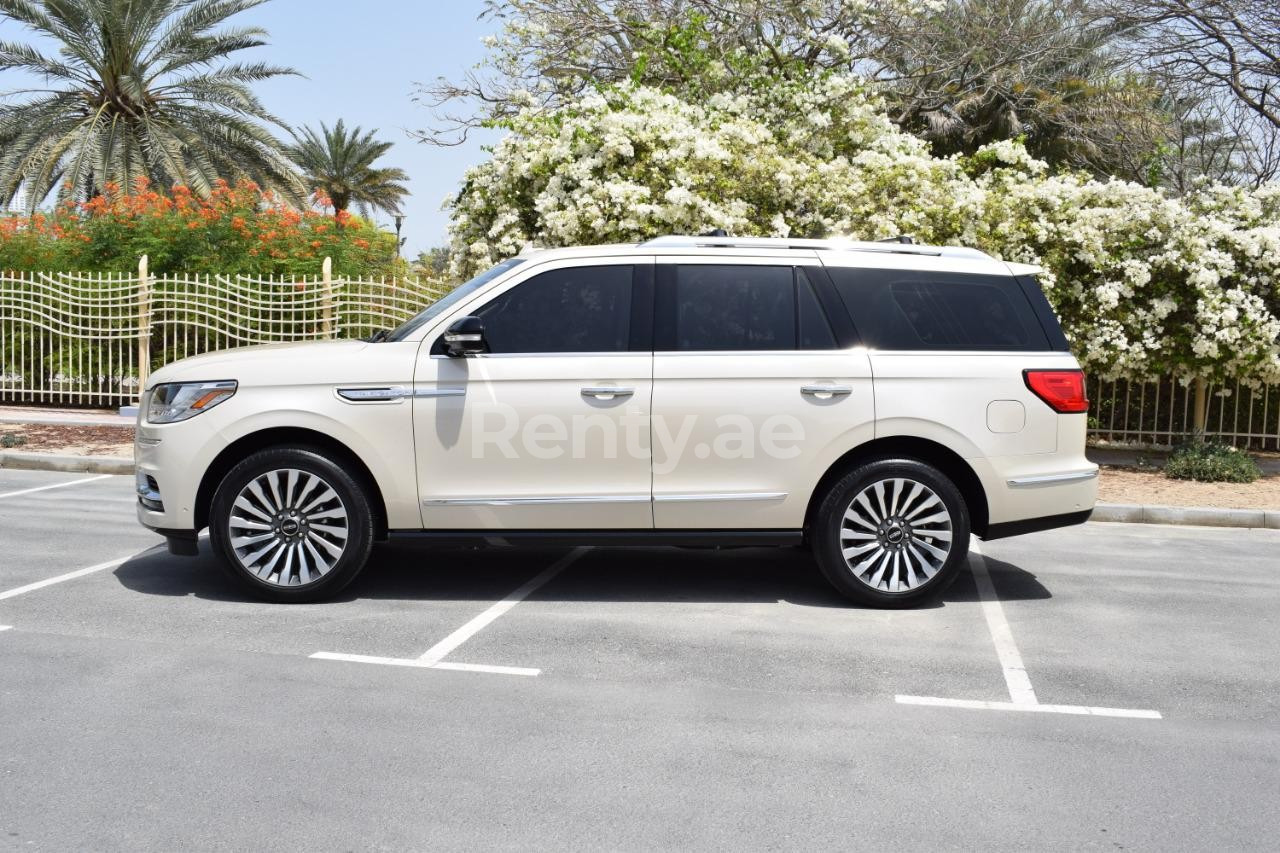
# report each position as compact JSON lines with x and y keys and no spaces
{"x":236,"y":229}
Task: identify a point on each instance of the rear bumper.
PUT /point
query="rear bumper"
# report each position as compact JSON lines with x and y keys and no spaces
{"x":1035,"y":525}
{"x":1026,"y":487}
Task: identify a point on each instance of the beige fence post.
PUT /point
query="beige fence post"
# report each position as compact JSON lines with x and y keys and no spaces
{"x":1200,"y":415}
{"x":326,"y":271}
{"x":144,"y":325}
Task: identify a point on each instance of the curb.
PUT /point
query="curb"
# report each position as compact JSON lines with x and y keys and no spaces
{"x":1200,"y":516}
{"x":66,"y":463}
{"x":72,"y":420}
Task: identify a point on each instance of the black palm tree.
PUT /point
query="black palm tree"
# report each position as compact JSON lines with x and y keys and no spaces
{"x":340,"y":163}
{"x":137,"y":88}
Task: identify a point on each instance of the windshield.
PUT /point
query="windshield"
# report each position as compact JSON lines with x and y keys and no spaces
{"x":453,"y":297}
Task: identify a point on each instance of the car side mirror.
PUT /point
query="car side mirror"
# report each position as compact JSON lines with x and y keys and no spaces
{"x":465,"y":336}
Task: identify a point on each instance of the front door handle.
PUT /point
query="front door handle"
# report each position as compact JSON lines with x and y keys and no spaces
{"x":606,"y":392}
{"x":833,"y":390}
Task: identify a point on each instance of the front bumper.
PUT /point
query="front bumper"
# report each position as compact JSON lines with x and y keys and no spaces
{"x":170,"y":460}
{"x":182,"y":543}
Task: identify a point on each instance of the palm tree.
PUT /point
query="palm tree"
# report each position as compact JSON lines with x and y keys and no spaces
{"x":137,"y":88}
{"x":339,"y":163}
{"x":974,"y":72}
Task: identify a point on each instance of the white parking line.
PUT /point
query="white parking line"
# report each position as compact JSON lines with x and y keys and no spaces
{"x":1015,"y":674}
{"x":1022,"y":696}
{"x":54,"y":486}
{"x":70,"y":576}
{"x":433,"y":658}
{"x":6,"y":627}
{"x":1034,"y":707}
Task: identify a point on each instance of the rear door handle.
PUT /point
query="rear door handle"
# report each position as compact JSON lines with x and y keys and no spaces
{"x":605,"y":392}
{"x":833,"y":390}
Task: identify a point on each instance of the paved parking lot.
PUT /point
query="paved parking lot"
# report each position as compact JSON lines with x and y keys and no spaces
{"x":1109,"y":686}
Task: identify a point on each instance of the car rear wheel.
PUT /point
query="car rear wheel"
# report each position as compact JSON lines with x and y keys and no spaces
{"x":291,"y":525}
{"x":891,"y":533}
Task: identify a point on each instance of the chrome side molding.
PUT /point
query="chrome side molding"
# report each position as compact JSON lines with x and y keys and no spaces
{"x":604,"y":499}
{"x":720,"y":496}
{"x":439,"y":392}
{"x":1052,"y":479}
{"x":392,"y":393}
{"x":538,"y":501}
{"x":373,"y":395}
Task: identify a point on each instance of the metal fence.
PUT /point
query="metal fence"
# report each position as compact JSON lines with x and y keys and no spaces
{"x":1163,"y":413}
{"x":71,"y":339}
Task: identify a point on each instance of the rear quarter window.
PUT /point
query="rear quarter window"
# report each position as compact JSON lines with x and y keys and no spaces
{"x":919,"y":310}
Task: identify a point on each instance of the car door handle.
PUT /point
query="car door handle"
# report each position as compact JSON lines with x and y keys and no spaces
{"x":606,"y":392}
{"x":833,"y":390}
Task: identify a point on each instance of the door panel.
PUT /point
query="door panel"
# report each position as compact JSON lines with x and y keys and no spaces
{"x":524,"y":447}
{"x":737,"y":441}
{"x":538,"y":434}
{"x":740,"y":438}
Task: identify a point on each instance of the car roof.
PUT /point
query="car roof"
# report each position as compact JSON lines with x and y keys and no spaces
{"x":832,"y":252}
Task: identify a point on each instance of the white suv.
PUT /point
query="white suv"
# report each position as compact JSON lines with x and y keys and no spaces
{"x":877,"y":402}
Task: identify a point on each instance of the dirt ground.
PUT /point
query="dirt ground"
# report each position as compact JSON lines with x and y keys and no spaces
{"x":1132,"y":486}
{"x":76,"y":440}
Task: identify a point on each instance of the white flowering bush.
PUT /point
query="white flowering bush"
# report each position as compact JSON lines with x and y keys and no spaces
{"x":1145,"y":285}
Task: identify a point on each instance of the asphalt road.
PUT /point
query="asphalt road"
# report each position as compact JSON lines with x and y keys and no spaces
{"x":684,"y":699}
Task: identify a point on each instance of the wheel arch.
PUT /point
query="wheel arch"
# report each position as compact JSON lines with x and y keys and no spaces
{"x":297,"y":437}
{"x":924,"y":450}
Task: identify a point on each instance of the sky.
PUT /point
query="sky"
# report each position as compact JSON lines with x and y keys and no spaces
{"x":360,"y":61}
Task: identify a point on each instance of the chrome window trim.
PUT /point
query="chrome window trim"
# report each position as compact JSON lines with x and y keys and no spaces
{"x":771,"y":352}
{"x":610,"y":354}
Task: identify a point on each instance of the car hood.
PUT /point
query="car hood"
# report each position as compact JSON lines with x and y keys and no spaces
{"x":269,"y":364}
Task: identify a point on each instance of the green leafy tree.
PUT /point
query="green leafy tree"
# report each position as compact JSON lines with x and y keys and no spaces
{"x":136,"y":88}
{"x":339,"y":163}
{"x":1087,"y":84}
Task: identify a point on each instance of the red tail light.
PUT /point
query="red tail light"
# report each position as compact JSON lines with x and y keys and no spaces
{"x":1063,"y":390}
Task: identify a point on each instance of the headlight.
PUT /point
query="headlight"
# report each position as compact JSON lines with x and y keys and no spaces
{"x":177,"y":401}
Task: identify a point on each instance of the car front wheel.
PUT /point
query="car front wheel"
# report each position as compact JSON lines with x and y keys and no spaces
{"x":291,"y":525}
{"x":891,"y":533}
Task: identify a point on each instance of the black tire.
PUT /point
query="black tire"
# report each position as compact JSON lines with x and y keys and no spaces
{"x":302,"y":540}
{"x":897,"y":556}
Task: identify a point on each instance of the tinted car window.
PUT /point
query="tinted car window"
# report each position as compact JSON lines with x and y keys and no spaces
{"x":813,"y":330}
{"x":914,"y":310}
{"x":576,"y":309}
{"x":726,"y":307}
{"x":453,"y":297}
{"x":747,"y":307}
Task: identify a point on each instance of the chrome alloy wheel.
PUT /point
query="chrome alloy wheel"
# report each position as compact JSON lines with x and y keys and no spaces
{"x":288,"y":527}
{"x":895,"y":535}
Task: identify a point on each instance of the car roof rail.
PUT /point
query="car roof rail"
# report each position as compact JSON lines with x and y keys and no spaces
{"x":896,"y":245}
